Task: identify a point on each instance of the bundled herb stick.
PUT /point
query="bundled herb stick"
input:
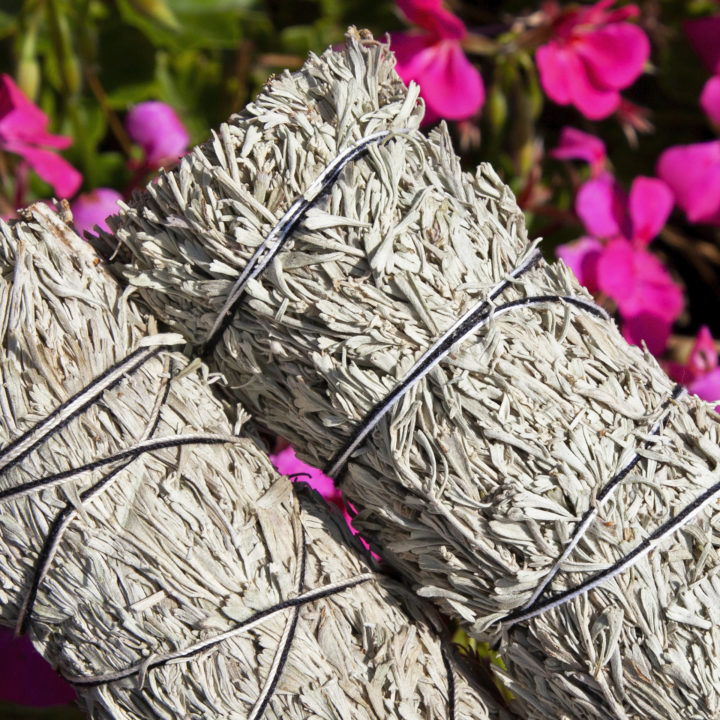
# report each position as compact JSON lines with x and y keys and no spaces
{"x":156,"y":558}
{"x":504,"y":447}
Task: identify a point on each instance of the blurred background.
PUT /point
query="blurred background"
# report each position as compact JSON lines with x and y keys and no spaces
{"x":604,"y":119}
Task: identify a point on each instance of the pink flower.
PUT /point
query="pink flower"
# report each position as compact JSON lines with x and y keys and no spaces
{"x":608,"y":212}
{"x":450,"y":85}
{"x":93,"y":208}
{"x":23,"y":131}
{"x":287,"y":463}
{"x":578,"y":145}
{"x":649,"y":328}
{"x":582,"y":258}
{"x":710,"y":98}
{"x":643,"y":291}
{"x":26,"y":678}
{"x":707,"y":387}
{"x":693,"y":174}
{"x":157,"y":129}
{"x":621,"y":267}
{"x":700,"y":373}
{"x":704,"y":34}
{"x":603,"y":207}
{"x":702,"y":359}
{"x":594,"y":53}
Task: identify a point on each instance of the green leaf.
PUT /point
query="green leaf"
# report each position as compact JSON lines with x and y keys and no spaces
{"x":193,"y":85}
{"x":199,"y":25}
{"x":108,"y":169}
{"x":157,"y":11}
{"x":210,"y":6}
{"x":127,"y":61}
{"x":9,"y":15}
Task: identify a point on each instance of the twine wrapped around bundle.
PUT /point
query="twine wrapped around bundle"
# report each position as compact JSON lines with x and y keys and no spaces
{"x":506,"y":449}
{"x":157,"y":559}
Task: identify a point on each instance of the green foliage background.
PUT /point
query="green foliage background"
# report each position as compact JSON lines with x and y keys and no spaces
{"x":86,"y":61}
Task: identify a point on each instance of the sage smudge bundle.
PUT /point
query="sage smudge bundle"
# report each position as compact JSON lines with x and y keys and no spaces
{"x":156,"y":558}
{"x":505,"y":448}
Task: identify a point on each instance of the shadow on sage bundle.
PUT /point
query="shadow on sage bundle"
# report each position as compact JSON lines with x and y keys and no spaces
{"x":505,"y":448}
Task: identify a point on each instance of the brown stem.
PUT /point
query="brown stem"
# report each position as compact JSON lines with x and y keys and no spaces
{"x":242,"y":70}
{"x":113,"y":121}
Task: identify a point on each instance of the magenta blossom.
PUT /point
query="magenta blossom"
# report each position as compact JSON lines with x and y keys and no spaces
{"x":287,"y":463}
{"x":593,"y":55}
{"x":26,"y":678}
{"x":578,"y":145}
{"x":608,"y":212}
{"x":710,"y":98}
{"x":93,"y":208}
{"x":23,"y":131}
{"x":700,"y":373}
{"x":450,"y":85}
{"x":693,"y":174}
{"x":157,"y":129}
{"x":647,"y":298}
{"x":603,"y":207}
{"x":614,"y":260}
{"x":704,"y":34}
{"x":582,"y":256}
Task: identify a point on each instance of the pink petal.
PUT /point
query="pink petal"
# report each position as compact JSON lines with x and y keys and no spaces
{"x":552,"y":62}
{"x":679,"y":373}
{"x":693,"y":174}
{"x":710,"y":98}
{"x":592,"y":100}
{"x":616,"y":275}
{"x":707,"y":387}
{"x":287,"y":463}
{"x":646,"y":327}
{"x":651,"y":202}
{"x":157,"y":129}
{"x":409,"y":49}
{"x":565,"y":79}
{"x":26,"y":678}
{"x":703,"y":356}
{"x":450,"y":85}
{"x":704,"y":34}
{"x":614,"y":55}
{"x":713,"y":218}
{"x":578,"y":145}
{"x":19,"y":118}
{"x":22,"y":121}
{"x":431,"y":16}
{"x":50,"y":167}
{"x":93,"y":208}
{"x":597,"y":14}
{"x":638,"y":282}
{"x":582,"y":257}
{"x":602,"y":206}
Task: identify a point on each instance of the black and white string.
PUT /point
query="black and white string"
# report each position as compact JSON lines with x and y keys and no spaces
{"x":45,"y":429}
{"x":244,"y":626}
{"x":72,"y":408}
{"x":534,"y":606}
{"x":470,"y":323}
{"x":281,"y":232}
